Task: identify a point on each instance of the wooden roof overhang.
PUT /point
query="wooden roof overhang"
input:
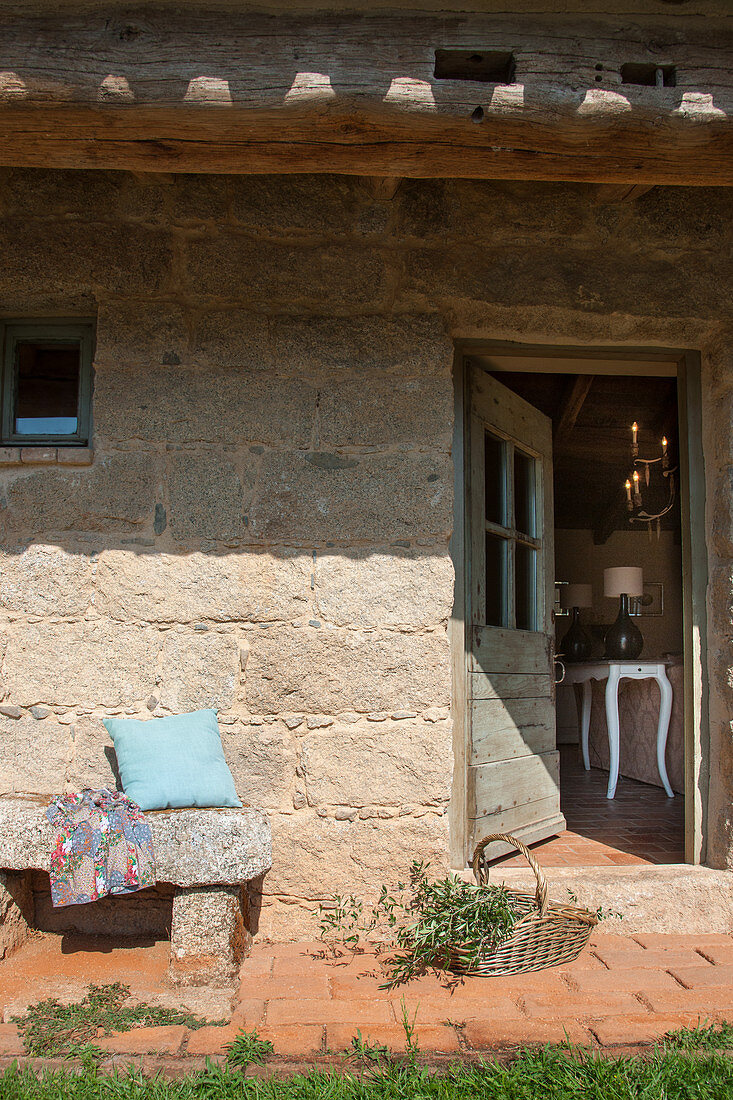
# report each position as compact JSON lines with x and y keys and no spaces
{"x":194,"y":91}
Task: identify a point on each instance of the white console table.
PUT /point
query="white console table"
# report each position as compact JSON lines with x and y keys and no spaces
{"x":613,"y":672}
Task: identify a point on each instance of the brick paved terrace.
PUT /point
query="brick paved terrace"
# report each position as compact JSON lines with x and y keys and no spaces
{"x":623,"y":990}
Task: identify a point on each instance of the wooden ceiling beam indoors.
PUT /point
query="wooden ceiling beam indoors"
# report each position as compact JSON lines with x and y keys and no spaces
{"x":610,"y":517}
{"x":185,"y":91}
{"x":571,"y":406}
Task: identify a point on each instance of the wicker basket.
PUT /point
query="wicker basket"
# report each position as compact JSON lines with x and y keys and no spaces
{"x":547,"y":934}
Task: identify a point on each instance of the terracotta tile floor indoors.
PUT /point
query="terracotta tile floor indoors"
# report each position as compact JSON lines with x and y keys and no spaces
{"x":623,"y":990}
{"x":640,"y":825}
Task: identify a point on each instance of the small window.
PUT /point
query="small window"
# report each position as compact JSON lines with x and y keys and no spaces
{"x":47,"y":381}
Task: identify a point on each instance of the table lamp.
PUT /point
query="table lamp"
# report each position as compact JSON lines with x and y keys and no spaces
{"x":577,"y":643}
{"x":623,"y":640}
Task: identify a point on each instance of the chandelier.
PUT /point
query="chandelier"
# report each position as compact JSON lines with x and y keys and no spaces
{"x":656,"y":491}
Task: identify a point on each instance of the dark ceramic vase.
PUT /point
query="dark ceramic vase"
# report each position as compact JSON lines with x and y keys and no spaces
{"x":576,"y":645}
{"x":623,"y":640}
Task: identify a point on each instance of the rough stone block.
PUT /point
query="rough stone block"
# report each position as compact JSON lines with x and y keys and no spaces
{"x":394,"y":587}
{"x":75,"y":456}
{"x":666,"y":217}
{"x":117,"y":492}
{"x":361,"y":854}
{"x":188,"y":404}
{"x":63,"y":193}
{"x":722,"y":511}
{"x":330,"y":496}
{"x":33,"y":756}
{"x":199,"y":670}
{"x":246,"y":586}
{"x":208,"y":934}
{"x":38,"y":456}
{"x":237,"y":268}
{"x":232,"y":338}
{"x":381,"y":410}
{"x":16,"y":911}
{"x":262,"y":761}
{"x":306,"y":205}
{"x":329,"y":671}
{"x":408,"y":344}
{"x":45,"y":580}
{"x":198,"y":200}
{"x":93,"y":762}
{"x":83,"y":258}
{"x":381,"y":765}
{"x":208,"y":496}
{"x":193,"y":847}
{"x":92,"y":663}
{"x":578,"y":276}
{"x":9,"y":456}
{"x":145,"y":334}
{"x":479,"y":210}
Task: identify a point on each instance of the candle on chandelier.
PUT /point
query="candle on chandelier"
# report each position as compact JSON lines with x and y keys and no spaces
{"x":634,"y":432}
{"x":664,"y":444}
{"x":628,"y":493}
{"x":637,"y":494}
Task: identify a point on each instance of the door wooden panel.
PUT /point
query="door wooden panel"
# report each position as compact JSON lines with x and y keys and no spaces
{"x":511,"y":685}
{"x":505,"y":729}
{"x":510,"y":784}
{"x":513,"y":780}
{"x":510,"y":651}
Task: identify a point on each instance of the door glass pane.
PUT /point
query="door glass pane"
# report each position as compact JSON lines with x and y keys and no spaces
{"x":496,"y":580}
{"x":525,"y":494}
{"x":495,"y":478}
{"x":525,"y":569}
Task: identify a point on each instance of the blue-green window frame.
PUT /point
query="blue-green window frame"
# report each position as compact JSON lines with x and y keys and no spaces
{"x":79,"y":333}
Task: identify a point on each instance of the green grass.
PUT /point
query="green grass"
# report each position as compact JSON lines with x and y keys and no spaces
{"x":551,"y":1074}
{"x":248,"y":1047}
{"x":703,"y":1037}
{"x":52,"y":1029}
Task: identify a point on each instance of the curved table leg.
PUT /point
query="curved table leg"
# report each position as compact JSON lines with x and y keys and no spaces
{"x":585,"y":722}
{"x":665,"y":713}
{"x":613,"y":729}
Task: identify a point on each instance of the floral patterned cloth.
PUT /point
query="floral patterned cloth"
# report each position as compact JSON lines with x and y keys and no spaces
{"x":103,"y":846}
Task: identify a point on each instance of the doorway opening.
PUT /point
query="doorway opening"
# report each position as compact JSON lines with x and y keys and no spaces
{"x":589,"y":404}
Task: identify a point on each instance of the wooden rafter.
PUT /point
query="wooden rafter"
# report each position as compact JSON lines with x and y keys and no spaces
{"x":571,"y":406}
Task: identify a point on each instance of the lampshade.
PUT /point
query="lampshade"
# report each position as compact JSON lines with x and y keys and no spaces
{"x":625,"y":580}
{"x":576,"y":595}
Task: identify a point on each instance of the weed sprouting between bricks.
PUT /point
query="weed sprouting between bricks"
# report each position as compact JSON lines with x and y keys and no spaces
{"x":50,"y":1028}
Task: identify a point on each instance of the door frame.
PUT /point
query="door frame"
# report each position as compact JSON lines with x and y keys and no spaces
{"x":592,"y":359}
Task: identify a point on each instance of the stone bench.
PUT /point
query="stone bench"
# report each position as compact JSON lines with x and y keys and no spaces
{"x":206,"y":855}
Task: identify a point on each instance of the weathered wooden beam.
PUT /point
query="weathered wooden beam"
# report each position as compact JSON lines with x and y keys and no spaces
{"x":383,"y":188}
{"x":177,"y":91}
{"x":625,"y":192}
{"x":571,"y":406}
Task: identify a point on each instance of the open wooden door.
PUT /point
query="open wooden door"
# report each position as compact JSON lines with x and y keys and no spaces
{"x":513,"y":782}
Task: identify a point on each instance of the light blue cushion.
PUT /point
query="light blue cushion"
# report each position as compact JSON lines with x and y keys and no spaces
{"x":169,"y":763}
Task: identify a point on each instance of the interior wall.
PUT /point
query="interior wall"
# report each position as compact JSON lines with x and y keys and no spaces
{"x":578,"y":560}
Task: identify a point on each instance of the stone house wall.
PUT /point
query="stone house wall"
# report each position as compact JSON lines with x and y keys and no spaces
{"x":264,"y":525}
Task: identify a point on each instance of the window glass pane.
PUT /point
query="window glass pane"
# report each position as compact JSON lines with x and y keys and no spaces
{"x":525,"y":494}
{"x":525,"y":571}
{"x":496,"y":580}
{"x":495,"y":478}
{"x":46,"y":389}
